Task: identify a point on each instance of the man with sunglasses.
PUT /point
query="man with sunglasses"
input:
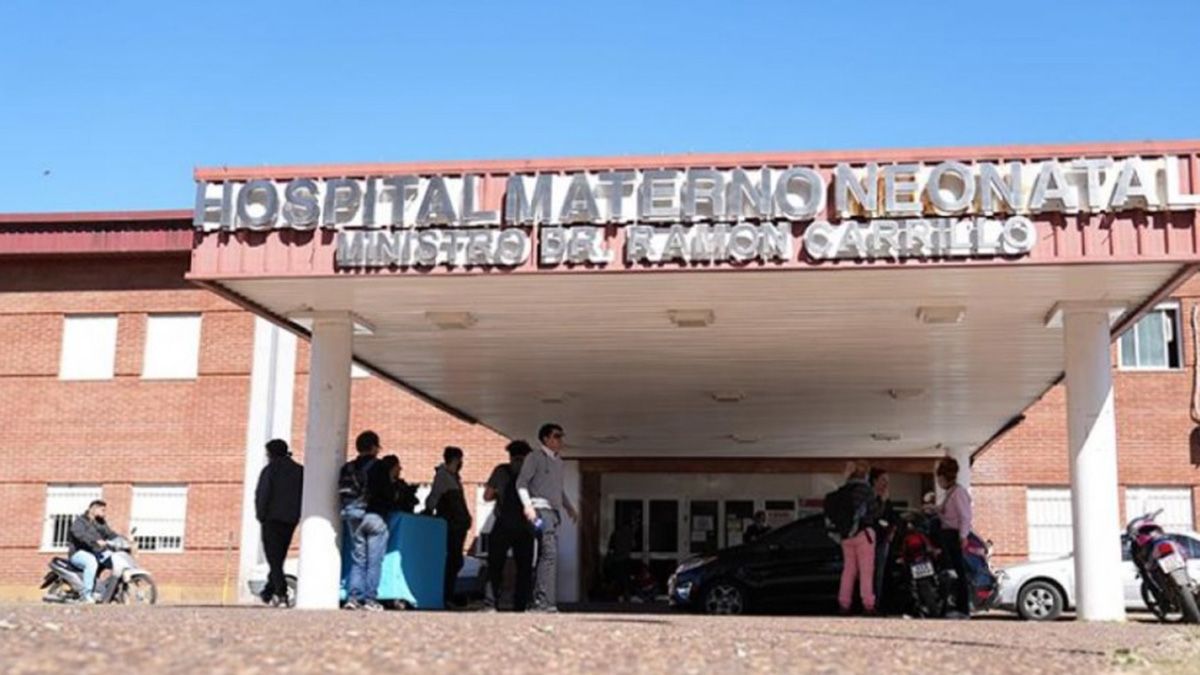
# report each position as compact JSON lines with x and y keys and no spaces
{"x":540,"y":487}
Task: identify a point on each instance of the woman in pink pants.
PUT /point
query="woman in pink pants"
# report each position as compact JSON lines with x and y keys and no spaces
{"x":858,"y":546}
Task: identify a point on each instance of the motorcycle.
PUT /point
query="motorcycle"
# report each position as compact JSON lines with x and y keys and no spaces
{"x":924,"y":580}
{"x":125,"y":583}
{"x":1167,"y":588}
{"x":926,"y":596}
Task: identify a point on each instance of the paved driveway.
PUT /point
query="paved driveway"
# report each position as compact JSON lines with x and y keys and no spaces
{"x":37,"y":639}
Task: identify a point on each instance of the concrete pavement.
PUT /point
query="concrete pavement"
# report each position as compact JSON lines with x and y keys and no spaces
{"x":165,"y":639}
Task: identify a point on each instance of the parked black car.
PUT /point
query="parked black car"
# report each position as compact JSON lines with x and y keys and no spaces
{"x":793,"y":568}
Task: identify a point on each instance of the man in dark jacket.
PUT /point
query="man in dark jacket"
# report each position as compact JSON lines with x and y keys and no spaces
{"x":277,"y":506}
{"x":510,"y":530}
{"x":88,"y":542}
{"x":446,"y":500}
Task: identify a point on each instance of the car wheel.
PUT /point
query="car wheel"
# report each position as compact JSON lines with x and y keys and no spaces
{"x":1040,"y":601}
{"x":724,"y":597}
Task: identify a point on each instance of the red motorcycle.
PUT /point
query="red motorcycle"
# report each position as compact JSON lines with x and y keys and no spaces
{"x":1162,"y":564}
{"x":924,"y":584}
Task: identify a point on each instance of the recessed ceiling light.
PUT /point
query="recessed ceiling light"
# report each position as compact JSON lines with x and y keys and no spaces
{"x":944,"y":314}
{"x":451,"y":320}
{"x":743,"y":438}
{"x":691,"y":318}
{"x":728,"y":396}
{"x":608,"y":439}
{"x":885,"y":436}
{"x":901,"y":393}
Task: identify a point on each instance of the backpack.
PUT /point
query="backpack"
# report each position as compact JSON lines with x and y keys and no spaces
{"x":352,"y":482}
{"x":841,"y":511}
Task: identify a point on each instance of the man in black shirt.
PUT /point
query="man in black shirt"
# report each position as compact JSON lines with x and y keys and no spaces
{"x":447,"y":500}
{"x":510,"y":529}
{"x":277,"y":506}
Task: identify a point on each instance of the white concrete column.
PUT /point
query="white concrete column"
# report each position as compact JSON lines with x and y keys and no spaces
{"x":962,"y":455}
{"x":1092,"y":439}
{"x":568,"y":537}
{"x":270,"y":416}
{"x":324,"y":452}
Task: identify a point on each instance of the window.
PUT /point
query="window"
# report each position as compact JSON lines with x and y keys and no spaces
{"x":1048,"y":512}
{"x":159,"y":514}
{"x":1176,"y":504}
{"x":63,"y":503}
{"x":172,"y":347}
{"x":89,"y":347}
{"x":1152,"y":343}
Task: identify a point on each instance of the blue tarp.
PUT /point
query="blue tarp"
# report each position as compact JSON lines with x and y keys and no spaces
{"x":414,"y":564}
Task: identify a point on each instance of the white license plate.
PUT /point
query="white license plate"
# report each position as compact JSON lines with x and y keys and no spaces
{"x":1171,"y":563}
{"x":922,"y":570}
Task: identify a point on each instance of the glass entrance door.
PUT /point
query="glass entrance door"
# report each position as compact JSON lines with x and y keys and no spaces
{"x":651,"y":528}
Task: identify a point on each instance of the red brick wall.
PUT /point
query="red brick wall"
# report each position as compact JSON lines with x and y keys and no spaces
{"x":123,"y":431}
{"x":1155,"y":445}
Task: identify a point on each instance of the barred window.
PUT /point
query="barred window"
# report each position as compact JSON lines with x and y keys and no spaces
{"x":63,"y":503}
{"x":159,"y":514}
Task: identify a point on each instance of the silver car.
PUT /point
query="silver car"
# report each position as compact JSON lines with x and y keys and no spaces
{"x":1041,"y":590}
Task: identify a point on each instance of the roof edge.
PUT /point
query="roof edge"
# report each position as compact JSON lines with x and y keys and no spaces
{"x":582,"y":163}
{"x":55,"y":217}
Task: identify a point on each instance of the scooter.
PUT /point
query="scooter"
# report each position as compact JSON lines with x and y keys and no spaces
{"x":126,"y":583}
{"x":1162,"y":565}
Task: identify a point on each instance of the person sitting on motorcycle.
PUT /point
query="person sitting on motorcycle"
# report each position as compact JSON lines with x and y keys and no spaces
{"x":89,"y":541}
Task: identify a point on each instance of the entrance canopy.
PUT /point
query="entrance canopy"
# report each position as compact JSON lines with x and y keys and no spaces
{"x":825,"y":304}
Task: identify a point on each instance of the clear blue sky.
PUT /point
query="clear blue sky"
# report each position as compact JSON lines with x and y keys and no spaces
{"x":119,"y":100}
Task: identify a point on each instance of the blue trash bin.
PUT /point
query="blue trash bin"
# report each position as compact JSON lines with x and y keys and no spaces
{"x":414,"y":564}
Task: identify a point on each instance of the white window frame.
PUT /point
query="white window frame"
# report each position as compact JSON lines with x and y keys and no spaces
{"x":1175,"y":315}
{"x":157,"y":492}
{"x":1135,"y":507}
{"x":69,"y":367}
{"x":75,"y":497}
{"x":183,"y":362}
{"x":1059,"y":491}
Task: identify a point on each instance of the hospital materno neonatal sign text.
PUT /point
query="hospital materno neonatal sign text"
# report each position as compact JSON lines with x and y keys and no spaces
{"x":698,"y":215}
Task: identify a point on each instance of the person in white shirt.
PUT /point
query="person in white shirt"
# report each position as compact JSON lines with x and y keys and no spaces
{"x":540,"y":487}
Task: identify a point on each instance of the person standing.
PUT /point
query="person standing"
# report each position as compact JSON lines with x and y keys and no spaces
{"x":447,"y":501}
{"x":540,"y":486}
{"x":758,"y":527}
{"x":277,"y":507}
{"x":368,"y":532}
{"x":955,"y":516}
{"x":884,"y":518}
{"x":850,"y":507}
{"x":88,"y":544}
{"x":510,"y":530}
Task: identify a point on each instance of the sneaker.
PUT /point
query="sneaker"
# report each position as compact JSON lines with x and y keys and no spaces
{"x":88,"y":599}
{"x":372,"y":606}
{"x":352,"y":605}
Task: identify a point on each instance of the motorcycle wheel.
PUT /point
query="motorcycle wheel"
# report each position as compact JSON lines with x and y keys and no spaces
{"x":1184,"y":597}
{"x":1164,"y":610}
{"x":929,"y":600}
{"x":55,"y":593}
{"x":139,"y":591}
